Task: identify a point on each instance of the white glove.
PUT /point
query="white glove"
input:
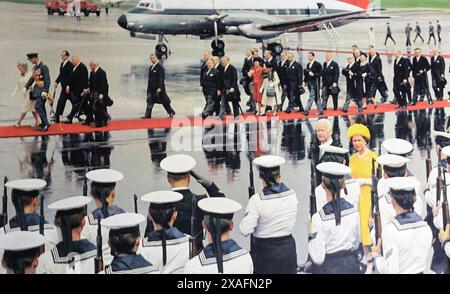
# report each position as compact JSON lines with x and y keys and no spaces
{"x":24,"y":90}
{"x":404,"y":81}
{"x":232,"y":90}
{"x":100,"y":96}
{"x":311,"y":74}
{"x":67,"y":89}
{"x":44,"y":94}
{"x":364,"y":75}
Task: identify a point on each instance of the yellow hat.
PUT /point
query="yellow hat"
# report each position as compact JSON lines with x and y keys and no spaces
{"x":358,"y":129}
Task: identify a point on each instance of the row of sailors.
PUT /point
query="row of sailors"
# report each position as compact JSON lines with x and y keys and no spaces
{"x":334,"y":231}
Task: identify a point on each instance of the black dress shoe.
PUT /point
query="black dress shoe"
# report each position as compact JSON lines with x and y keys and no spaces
{"x":172,"y":114}
{"x":344,"y":110}
{"x":44,"y":129}
{"x":67,"y":121}
{"x":398,"y":106}
{"x":288,"y":110}
{"x":145,"y":117}
{"x":305,"y":112}
{"x":430,"y":102}
{"x":56,"y":120}
{"x":321,"y":112}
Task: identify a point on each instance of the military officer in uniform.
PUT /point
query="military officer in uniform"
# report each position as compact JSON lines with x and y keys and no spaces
{"x":103,"y":190}
{"x":437,"y":211}
{"x":179,"y":169}
{"x":74,"y":254}
{"x":312,"y":74}
{"x":354,"y":84}
{"x":222,"y":254}
{"x":21,"y":252}
{"x":211,"y":86}
{"x":156,"y":89}
{"x":334,"y":232}
{"x":406,"y":240}
{"x":270,"y":217}
{"x":25,"y":198}
{"x":402,"y":87}
{"x":40,"y":81}
{"x":351,"y":190}
{"x":408,"y":30}
{"x":330,"y":80}
{"x":377,"y":81}
{"x":166,"y":247}
{"x":294,"y":78}
{"x":438,"y":80}
{"x":65,"y":71}
{"x":420,"y":67}
{"x":124,"y":240}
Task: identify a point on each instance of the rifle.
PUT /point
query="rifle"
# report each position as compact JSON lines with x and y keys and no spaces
{"x":445,"y":216}
{"x":428,"y":164}
{"x":312,"y":197}
{"x":4,"y":215}
{"x":98,"y":260}
{"x":375,"y":205}
{"x":192,"y":239}
{"x":135,"y":203}
{"x":439,"y":180}
{"x":85,"y":187}
{"x":41,"y":217}
{"x":251,"y":187}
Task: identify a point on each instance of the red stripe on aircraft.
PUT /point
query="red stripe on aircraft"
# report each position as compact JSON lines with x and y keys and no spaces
{"x":157,"y":123}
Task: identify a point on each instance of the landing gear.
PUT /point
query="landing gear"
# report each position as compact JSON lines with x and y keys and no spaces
{"x":161,"y":50}
{"x":275,"y":48}
{"x":218,"y":48}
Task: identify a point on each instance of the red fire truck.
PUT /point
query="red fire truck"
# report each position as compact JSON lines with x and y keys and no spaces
{"x":61,"y":6}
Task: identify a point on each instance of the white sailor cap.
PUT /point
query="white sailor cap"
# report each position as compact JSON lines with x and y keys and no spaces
{"x":446,"y":151}
{"x":219,"y":207}
{"x":392,"y":160}
{"x":104,"y":176}
{"x":21,"y":241}
{"x":333,"y":149}
{"x":403,"y":183}
{"x":123,"y":221}
{"x":333,"y":169}
{"x":397,"y":146}
{"x":178,"y":164}
{"x":70,"y":203}
{"x":269,"y":161}
{"x":162,"y":199}
{"x":27,"y":185}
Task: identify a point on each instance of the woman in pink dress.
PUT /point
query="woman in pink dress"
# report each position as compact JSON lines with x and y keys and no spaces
{"x":256,"y":73}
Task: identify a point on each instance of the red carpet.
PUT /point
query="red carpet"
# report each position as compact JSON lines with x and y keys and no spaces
{"x":155,"y":123}
{"x":446,"y":56}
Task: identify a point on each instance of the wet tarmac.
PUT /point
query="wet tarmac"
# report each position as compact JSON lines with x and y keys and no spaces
{"x":62,"y":160}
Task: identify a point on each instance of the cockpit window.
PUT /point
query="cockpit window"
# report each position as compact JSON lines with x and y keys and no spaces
{"x":150,"y":4}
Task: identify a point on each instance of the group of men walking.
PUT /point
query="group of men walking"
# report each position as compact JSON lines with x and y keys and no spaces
{"x":432,"y":32}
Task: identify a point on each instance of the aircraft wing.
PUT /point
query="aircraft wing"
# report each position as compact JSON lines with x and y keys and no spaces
{"x":311,"y":21}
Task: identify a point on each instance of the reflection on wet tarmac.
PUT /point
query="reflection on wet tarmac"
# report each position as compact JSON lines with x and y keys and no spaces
{"x":62,"y":160}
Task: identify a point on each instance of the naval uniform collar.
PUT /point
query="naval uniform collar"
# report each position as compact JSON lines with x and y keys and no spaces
{"x":82,"y":247}
{"x":228,"y":246}
{"x":171,"y":233}
{"x":180,"y":189}
{"x":328,"y":208}
{"x":408,"y":220}
{"x":276,"y":188}
{"x":97,"y":213}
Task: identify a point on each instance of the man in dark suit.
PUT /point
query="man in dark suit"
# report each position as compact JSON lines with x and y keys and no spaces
{"x":389,"y":34}
{"x":219,"y":67}
{"x":438,"y":30}
{"x":211,"y":87}
{"x":431,"y":33}
{"x":420,"y":67}
{"x":65,"y":71}
{"x":156,"y":89}
{"x":402,"y":88}
{"x":330,"y":79}
{"x":282,"y":67}
{"x":230,"y":90}
{"x":77,"y":88}
{"x":246,"y":81}
{"x":99,"y":93}
{"x":39,"y":93}
{"x":203,"y":68}
{"x":377,"y":82}
{"x":438,"y":74}
{"x":418,"y":32}
{"x":270,"y":61}
{"x":354,"y":84}
{"x":312,"y":74}
{"x":294,"y":76}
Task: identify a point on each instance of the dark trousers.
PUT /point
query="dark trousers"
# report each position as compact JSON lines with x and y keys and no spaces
{"x":421,"y":85}
{"x":431,"y":36}
{"x":408,"y":41}
{"x":342,"y":262}
{"x":389,"y":36}
{"x":313,"y":88}
{"x":39,"y":106}
{"x":294,"y":96}
{"x":101,"y":115}
{"x":211,"y":103}
{"x":438,"y":91}
{"x":153,"y":98}
{"x":418,"y":36}
{"x":400,"y":93}
{"x":284,"y":95}
{"x":274,"y":255}
{"x":80,"y":105}
{"x":439,"y":37}
{"x":326,"y":92}
{"x":351,"y":97}
{"x":381,"y":87}
{"x":225,"y":107}
{"x":61,"y":105}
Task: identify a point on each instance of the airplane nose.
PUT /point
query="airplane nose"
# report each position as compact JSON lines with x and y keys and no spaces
{"x":122,"y":21}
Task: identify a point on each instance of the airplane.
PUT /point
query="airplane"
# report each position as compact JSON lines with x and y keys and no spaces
{"x":253,"y":19}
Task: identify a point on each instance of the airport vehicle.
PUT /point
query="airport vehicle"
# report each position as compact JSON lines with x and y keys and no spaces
{"x":254,"y":19}
{"x":64,"y":6}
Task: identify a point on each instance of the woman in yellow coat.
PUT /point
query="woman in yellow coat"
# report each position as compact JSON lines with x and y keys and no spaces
{"x":361,"y":165}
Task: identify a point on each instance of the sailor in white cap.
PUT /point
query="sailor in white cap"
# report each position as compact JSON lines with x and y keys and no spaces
{"x":397,"y":146}
{"x":437,"y":211}
{"x":442,"y":139}
{"x":124,"y":240}
{"x":396,"y":166}
{"x":334,"y":234}
{"x":103,"y":190}
{"x":351,"y":190}
{"x":165,"y":247}
{"x":406,"y":240}
{"x":25,"y":198}
{"x":73,"y":254}
{"x":21,"y":251}
{"x":179,"y":169}
{"x":270,"y":217}
{"x":222,"y":254}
